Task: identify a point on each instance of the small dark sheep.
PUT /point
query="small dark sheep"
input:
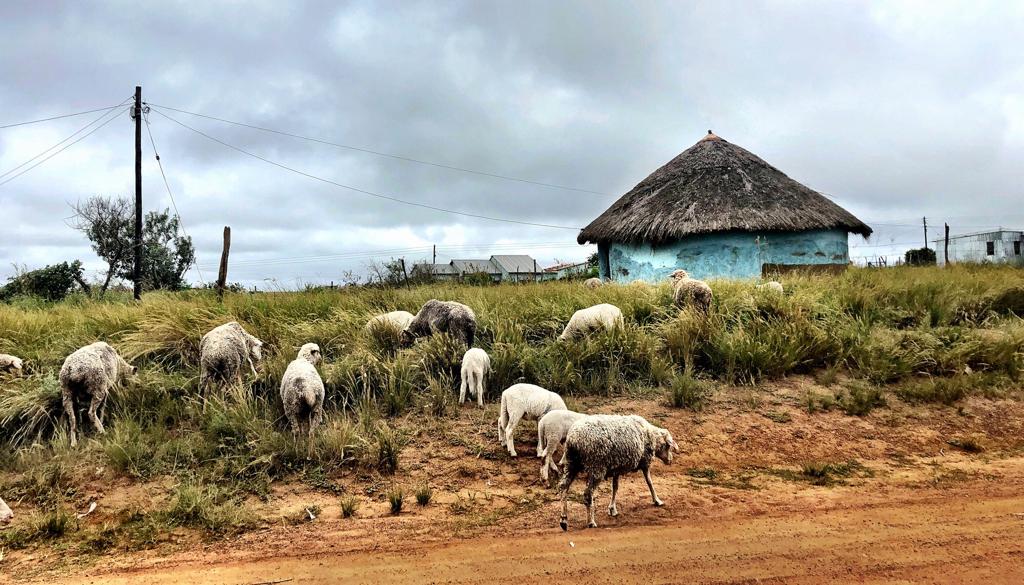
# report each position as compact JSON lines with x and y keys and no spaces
{"x":437,"y":316}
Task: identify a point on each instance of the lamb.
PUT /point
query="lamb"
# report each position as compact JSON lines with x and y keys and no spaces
{"x":5,"y":512}
{"x":396,"y":319}
{"x":437,"y":316}
{"x":551,"y":432}
{"x":223,"y":351}
{"x":690,"y":291}
{"x":609,"y":446}
{"x":522,"y":400}
{"x":603,"y":316}
{"x":11,"y":364}
{"x":475,"y":366}
{"x":772,"y":286}
{"x":91,"y":372}
{"x":302,"y":391}
{"x":593,"y":282}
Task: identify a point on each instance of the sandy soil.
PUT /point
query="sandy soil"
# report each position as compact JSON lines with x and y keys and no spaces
{"x":910,"y":509}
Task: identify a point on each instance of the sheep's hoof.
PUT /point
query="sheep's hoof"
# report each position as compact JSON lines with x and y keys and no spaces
{"x":613,"y":512}
{"x":592,"y":525}
{"x":564,"y":524}
{"x":659,"y":503}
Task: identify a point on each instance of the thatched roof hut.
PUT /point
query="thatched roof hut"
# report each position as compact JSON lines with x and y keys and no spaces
{"x":716,"y":186}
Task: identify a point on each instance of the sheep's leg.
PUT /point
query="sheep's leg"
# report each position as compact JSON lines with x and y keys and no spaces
{"x":650,"y":484}
{"x":540,"y":443}
{"x":462,"y":387}
{"x":293,"y":421}
{"x":588,"y":498}
{"x":566,"y":482}
{"x":69,"y":409}
{"x":612,"y":510}
{"x":480,"y":389}
{"x":94,"y":404}
{"x":510,"y":433}
{"x":544,"y":469}
{"x":502,"y":421}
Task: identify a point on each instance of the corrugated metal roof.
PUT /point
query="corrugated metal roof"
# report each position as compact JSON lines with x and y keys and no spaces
{"x":513,"y":263}
{"x":474,"y":265}
{"x":438,"y":269}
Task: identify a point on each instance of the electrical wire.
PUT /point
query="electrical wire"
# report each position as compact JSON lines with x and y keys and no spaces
{"x":181,"y":222}
{"x":385,"y":154}
{"x":58,"y":117}
{"x":358,"y":190}
{"x":67,"y":146}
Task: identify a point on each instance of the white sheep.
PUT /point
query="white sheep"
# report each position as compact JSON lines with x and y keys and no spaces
{"x":223,"y":351}
{"x":397,"y":320}
{"x":6,"y":515}
{"x":551,"y":432}
{"x":604,"y":445}
{"x":11,"y":364}
{"x":690,"y":291}
{"x":475,"y":366}
{"x":593,"y":282}
{"x":598,"y":317}
{"x":772,"y":286}
{"x":302,"y":391}
{"x":523,"y":400}
{"x":90,"y":373}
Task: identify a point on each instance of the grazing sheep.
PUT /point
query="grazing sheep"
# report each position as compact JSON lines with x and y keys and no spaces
{"x":475,"y":366}
{"x":551,"y":432}
{"x":222,"y":353}
{"x":772,"y":286}
{"x":524,"y":400}
{"x":606,"y":445}
{"x":441,"y":317}
{"x":11,"y":364}
{"x":690,"y":291}
{"x":593,"y":282}
{"x":396,"y":319}
{"x":90,"y":372}
{"x":302,"y":391}
{"x":596,"y":318}
{"x":5,"y":512}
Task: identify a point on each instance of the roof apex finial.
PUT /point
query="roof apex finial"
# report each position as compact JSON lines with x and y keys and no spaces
{"x":710,"y":132}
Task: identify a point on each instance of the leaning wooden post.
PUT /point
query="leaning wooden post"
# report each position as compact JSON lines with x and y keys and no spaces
{"x":222,"y":275}
{"x":946,"y":247}
{"x":405,"y":275}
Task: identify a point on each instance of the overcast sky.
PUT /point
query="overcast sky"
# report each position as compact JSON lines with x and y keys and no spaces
{"x":896,"y":110}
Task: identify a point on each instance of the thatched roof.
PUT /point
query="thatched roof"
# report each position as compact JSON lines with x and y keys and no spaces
{"x":716,"y":186}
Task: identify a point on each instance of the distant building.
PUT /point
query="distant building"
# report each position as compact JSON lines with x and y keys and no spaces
{"x":467,"y":267}
{"x":516,"y":267}
{"x":565,"y":270}
{"x":434,"y":271}
{"x":500,"y":268}
{"x":997,"y":247}
{"x":717,"y":210}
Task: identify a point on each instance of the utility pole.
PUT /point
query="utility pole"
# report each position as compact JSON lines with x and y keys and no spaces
{"x":946,"y":247}
{"x":924,"y":222}
{"x":405,"y":275}
{"x":137,"y":268}
{"x":222,"y":274}
{"x":434,"y":261}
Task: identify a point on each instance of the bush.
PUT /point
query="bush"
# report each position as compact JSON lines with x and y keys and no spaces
{"x":424,"y":494}
{"x":395,"y":498}
{"x":349,"y":506}
{"x":689,"y":392}
{"x":52,"y":283}
{"x":920,"y":257}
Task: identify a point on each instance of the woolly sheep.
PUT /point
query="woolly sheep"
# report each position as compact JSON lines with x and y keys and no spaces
{"x":603,"y":316}
{"x":441,"y":317}
{"x":223,"y":351}
{"x":609,"y":446}
{"x":551,"y":432}
{"x":11,"y":364}
{"x":302,"y":391}
{"x":690,"y":291}
{"x":5,"y":512}
{"x":397,"y":319}
{"x":90,"y":372}
{"x":524,"y":400}
{"x":475,"y":366}
{"x":593,"y":282}
{"x":772,"y":286}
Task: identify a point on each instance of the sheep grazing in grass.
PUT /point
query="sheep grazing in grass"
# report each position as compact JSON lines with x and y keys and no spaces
{"x":11,"y":364}
{"x":302,"y":391}
{"x":596,"y":318}
{"x":437,"y":316}
{"x":6,"y":515}
{"x":593,"y":282}
{"x":397,"y":320}
{"x":475,"y":366}
{"x":551,"y":432}
{"x":224,"y":351}
{"x":91,"y":372}
{"x":690,"y":291}
{"x":609,"y":446}
{"x":524,"y":400}
{"x":772,"y":286}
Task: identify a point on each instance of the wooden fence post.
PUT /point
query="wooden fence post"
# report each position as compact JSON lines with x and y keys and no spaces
{"x":222,"y":275}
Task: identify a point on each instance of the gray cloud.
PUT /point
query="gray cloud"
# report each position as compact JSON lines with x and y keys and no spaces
{"x":897,"y":110}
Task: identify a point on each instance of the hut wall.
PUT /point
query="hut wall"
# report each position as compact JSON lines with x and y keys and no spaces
{"x":725,"y":254}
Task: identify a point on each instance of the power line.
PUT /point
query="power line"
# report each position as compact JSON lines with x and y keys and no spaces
{"x":67,"y":146}
{"x":160,"y":164}
{"x":385,"y":154}
{"x":58,"y":117}
{"x":363,"y":191}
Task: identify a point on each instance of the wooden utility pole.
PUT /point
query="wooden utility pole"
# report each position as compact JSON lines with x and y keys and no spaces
{"x":137,"y":268}
{"x":405,"y":275}
{"x":924,"y":222}
{"x":434,"y":261}
{"x":946,"y":247}
{"x":222,"y":275}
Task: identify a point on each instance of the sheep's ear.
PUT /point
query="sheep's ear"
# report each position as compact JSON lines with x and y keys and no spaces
{"x":135,"y":370}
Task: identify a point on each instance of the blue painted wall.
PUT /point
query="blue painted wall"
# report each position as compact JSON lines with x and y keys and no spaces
{"x":722,"y":255}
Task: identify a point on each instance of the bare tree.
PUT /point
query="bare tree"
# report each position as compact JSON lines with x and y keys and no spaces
{"x":107,"y":222}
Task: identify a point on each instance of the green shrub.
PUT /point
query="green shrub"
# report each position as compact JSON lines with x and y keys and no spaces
{"x":424,"y":494}
{"x":349,"y":506}
{"x":395,"y":498}
{"x":689,"y":392}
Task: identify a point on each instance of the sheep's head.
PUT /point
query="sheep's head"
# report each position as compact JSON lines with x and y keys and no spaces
{"x":255,"y":349}
{"x":679,"y":274}
{"x":664,"y":445}
{"x":6,"y":515}
{"x":15,"y":366}
{"x":406,"y":338}
{"x":311,"y":353}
